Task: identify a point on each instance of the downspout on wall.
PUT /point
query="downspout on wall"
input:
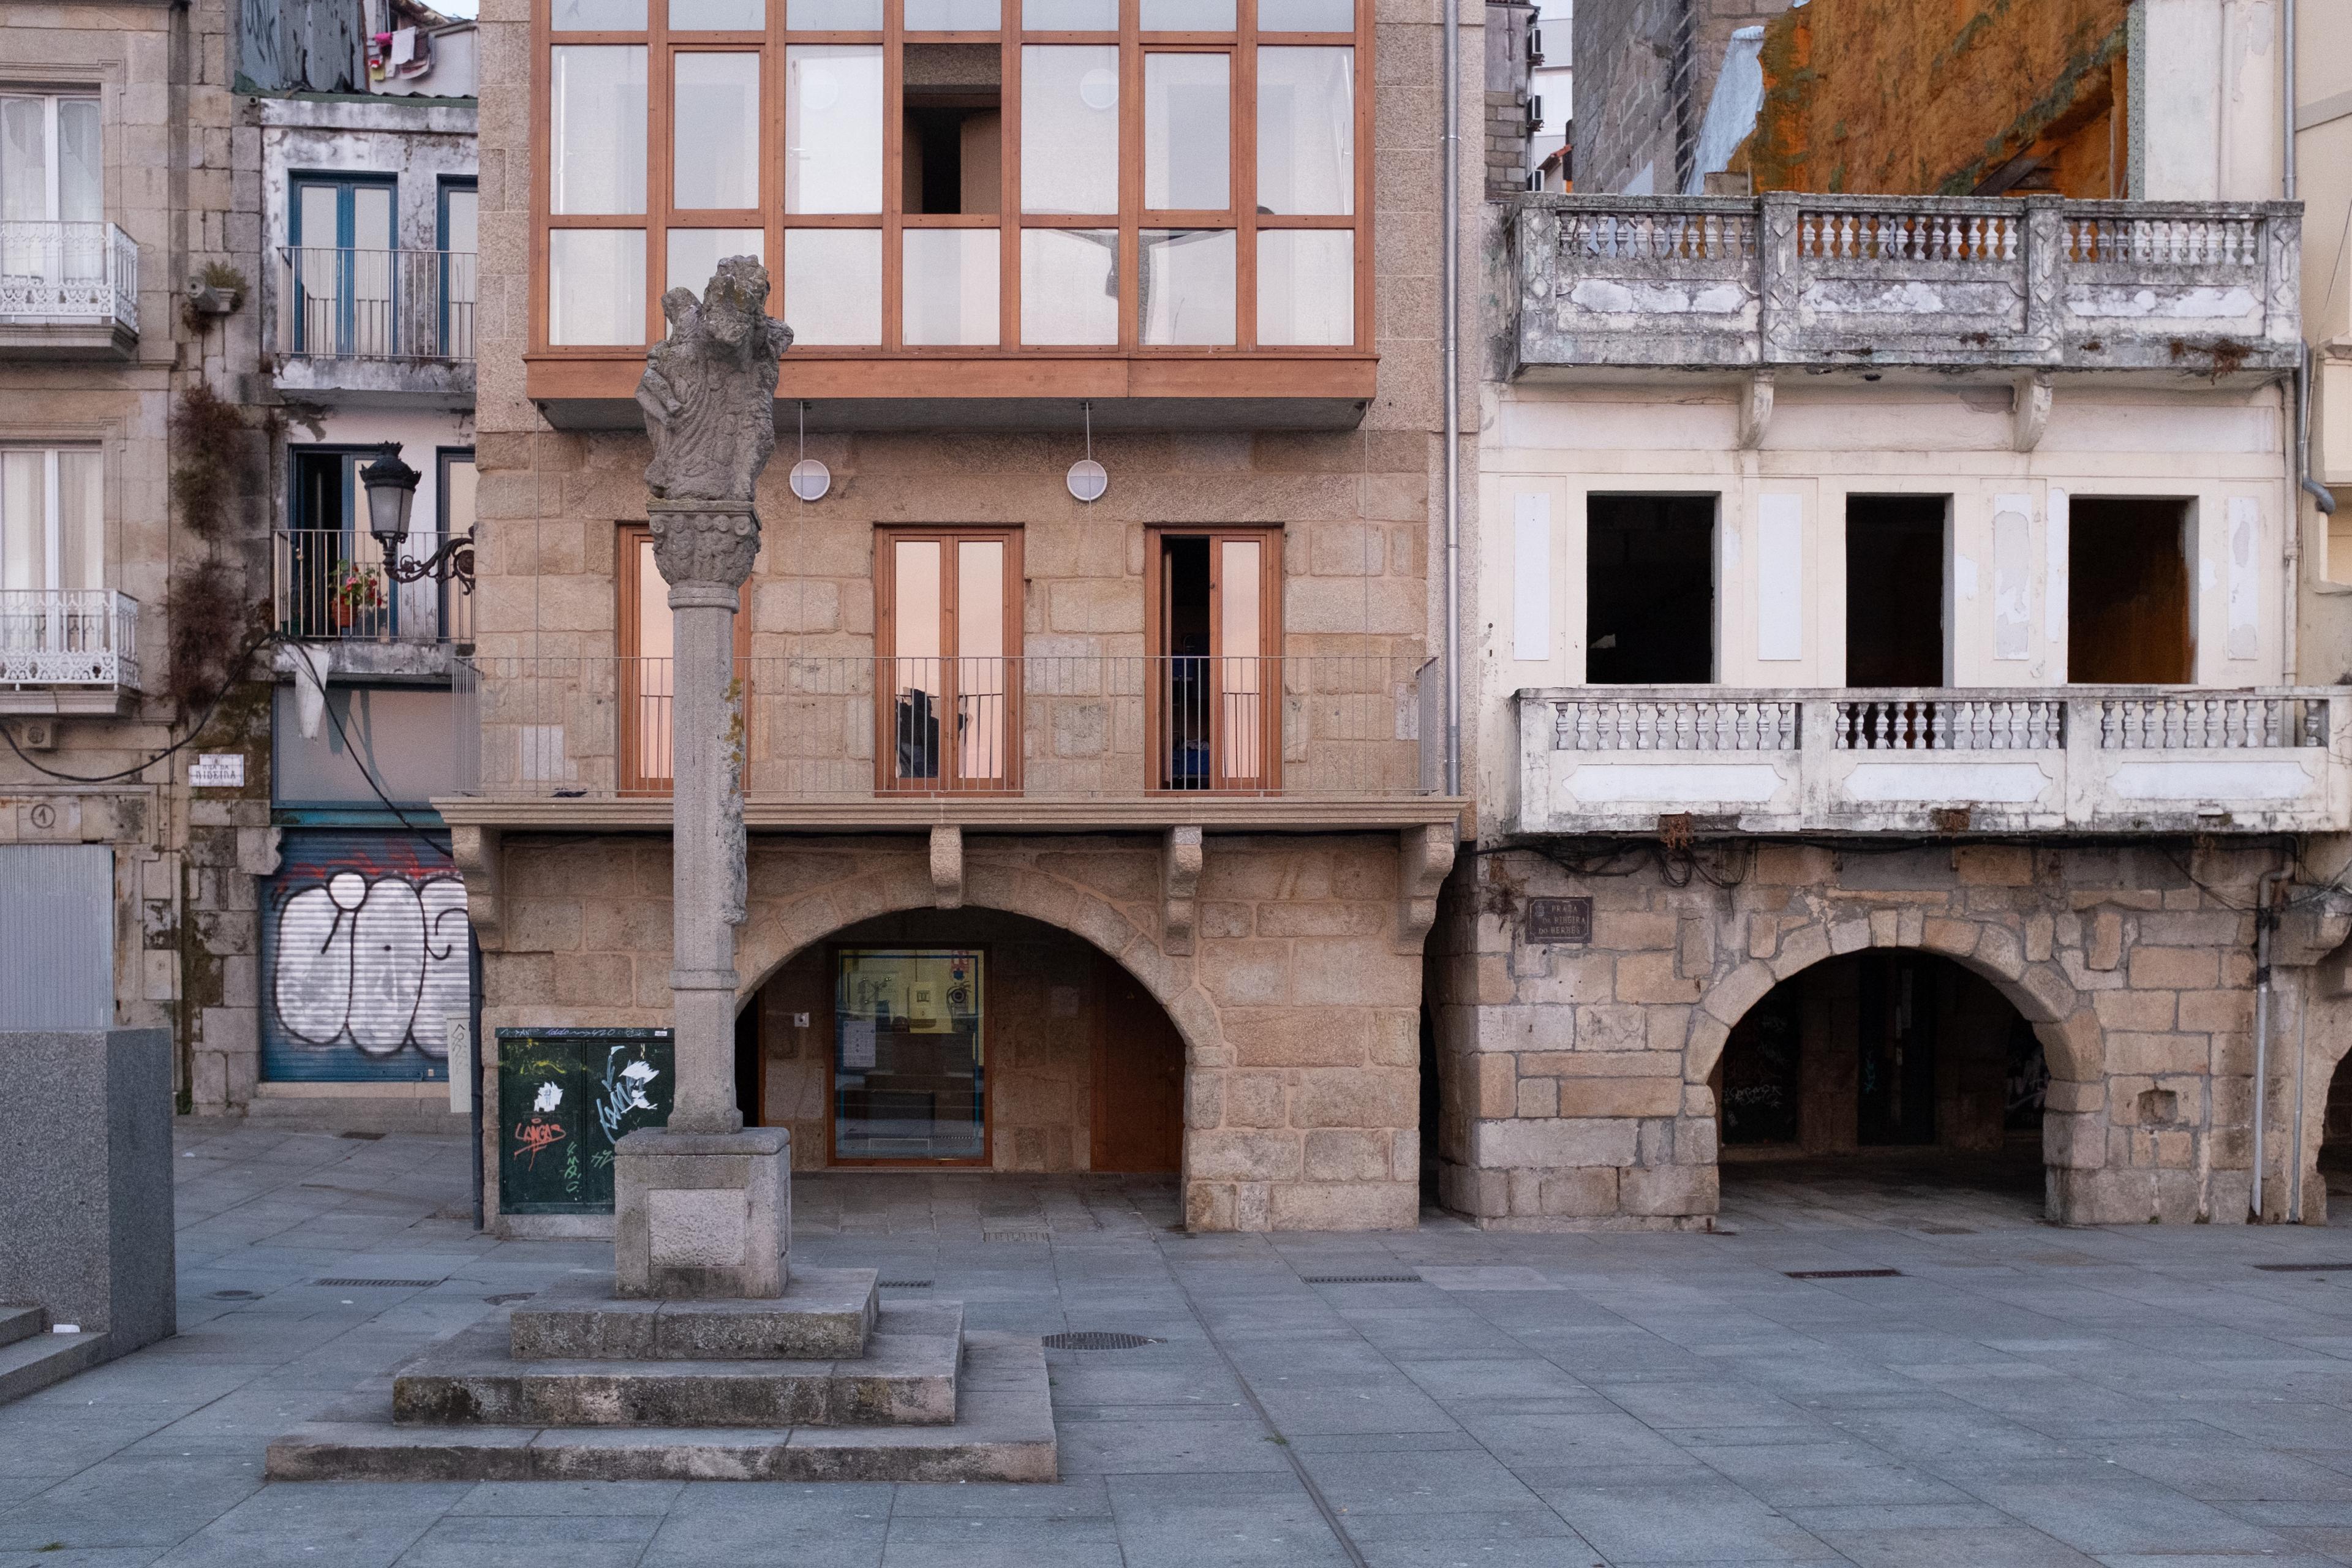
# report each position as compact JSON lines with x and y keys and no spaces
{"x":1449,"y":204}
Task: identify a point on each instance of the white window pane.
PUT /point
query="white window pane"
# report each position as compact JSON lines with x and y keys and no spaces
{"x":1187,"y":146}
{"x":81,"y":173}
{"x":1069,"y":128}
{"x":24,"y":159}
{"x":832,"y":128}
{"x":460,"y":483}
{"x":952,"y":15}
{"x":372,"y":217}
{"x":460,"y":219}
{"x":1069,"y":286}
{"x":1188,"y":16}
{"x":950,"y":286}
{"x":1306,"y":131}
{"x":600,"y":15}
{"x":1305,"y":286}
{"x":833,"y":16}
{"x":715,"y":161}
{"x":1188,"y":286}
{"x":832,"y":285}
{"x":599,"y":128}
{"x":1306,"y":16}
{"x":24,"y":522}
{"x":695,"y":254}
{"x":81,"y":522}
{"x":737,"y":16}
{"x":596,"y":286}
{"x":1070,"y":15}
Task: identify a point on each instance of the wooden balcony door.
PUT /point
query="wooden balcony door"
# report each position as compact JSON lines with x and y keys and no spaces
{"x":1215,"y":599}
{"x":946,"y":683}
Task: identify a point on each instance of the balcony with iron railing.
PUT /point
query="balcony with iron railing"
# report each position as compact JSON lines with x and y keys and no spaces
{"x":1064,"y":742}
{"x":2070,"y":759}
{"x":392,"y":326}
{"x":67,"y":290}
{"x":332,"y":588}
{"x":74,"y":651}
{"x":2035,"y":284}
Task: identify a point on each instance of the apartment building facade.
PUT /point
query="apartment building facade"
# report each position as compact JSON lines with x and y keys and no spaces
{"x":1895,"y":697}
{"x":1085,"y":667}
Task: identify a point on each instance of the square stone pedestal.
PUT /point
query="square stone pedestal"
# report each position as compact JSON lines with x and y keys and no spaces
{"x":701,"y":1215}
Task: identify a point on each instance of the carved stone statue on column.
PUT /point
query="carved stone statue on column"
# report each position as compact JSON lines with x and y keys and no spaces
{"x":703,"y":1207}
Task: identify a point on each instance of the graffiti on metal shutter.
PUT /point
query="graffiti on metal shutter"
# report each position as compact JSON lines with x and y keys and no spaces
{"x":365,"y":952}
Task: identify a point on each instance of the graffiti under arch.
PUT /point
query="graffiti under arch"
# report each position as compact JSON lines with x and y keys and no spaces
{"x":366,"y":950}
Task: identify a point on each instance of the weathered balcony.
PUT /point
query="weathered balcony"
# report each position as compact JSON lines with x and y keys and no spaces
{"x":67,"y":290}
{"x":376,"y":326}
{"x":69,"y":652}
{"x":2071,"y":759}
{"x":331,"y":587}
{"x":1064,"y":742}
{"x":1881,"y":283}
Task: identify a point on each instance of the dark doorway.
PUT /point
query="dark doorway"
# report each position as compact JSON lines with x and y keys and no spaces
{"x":1761,"y":1087}
{"x":1895,"y":594}
{"x":2335,"y":1152}
{"x":2127,"y":593}
{"x":1649,"y":590}
{"x":750,"y":1082}
{"x":1894,"y":1094}
{"x":1139,"y":1080}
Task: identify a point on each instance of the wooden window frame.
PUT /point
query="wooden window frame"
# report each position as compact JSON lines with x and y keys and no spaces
{"x":1269,"y":537}
{"x":885,"y":646}
{"x":662,"y":45}
{"x":628,"y":612}
{"x":833,"y":1154}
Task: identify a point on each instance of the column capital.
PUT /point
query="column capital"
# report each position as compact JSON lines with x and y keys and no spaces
{"x":704,"y":548}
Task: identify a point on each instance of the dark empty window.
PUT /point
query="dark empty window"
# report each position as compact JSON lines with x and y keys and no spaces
{"x":2127,"y":592}
{"x":952,"y":160}
{"x":1894,"y":590}
{"x":1649,"y":590}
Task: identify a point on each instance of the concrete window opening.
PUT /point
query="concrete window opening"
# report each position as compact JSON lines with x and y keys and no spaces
{"x":1032,"y":1051}
{"x":2127,"y":599}
{"x":1887,"y":1069}
{"x":1650,"y":590}
{"x":1896,"y":597}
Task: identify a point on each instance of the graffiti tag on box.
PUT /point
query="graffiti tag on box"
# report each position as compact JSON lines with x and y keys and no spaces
{"x":565,"y":1097}
{"x":367,"y":951}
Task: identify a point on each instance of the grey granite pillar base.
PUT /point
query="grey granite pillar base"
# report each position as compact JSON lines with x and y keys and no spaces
{"x":702,"y":1215}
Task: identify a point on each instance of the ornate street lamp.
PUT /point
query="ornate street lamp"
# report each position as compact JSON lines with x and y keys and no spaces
{"x":391,"y":494}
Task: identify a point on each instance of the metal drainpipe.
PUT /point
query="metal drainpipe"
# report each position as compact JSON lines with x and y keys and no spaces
{"x":1449,"y":286}
{"x":2265,"y":920}
{"x":2290,"y":639}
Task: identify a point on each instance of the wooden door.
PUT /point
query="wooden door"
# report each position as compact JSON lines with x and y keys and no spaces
{"x":1138,"y":1079}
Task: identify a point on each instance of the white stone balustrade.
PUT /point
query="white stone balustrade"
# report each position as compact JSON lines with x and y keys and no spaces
{"x":2096,"y":759}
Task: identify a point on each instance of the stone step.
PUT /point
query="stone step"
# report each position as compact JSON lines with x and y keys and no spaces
{"x":1003,"y":1431}
{"x":825,"y":1314}
{"x":22,"y":1323}
{"x":908,"y":1375}
{"x":32,"y":1364}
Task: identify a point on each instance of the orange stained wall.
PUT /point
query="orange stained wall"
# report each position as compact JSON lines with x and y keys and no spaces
{"x":1943,"y":97}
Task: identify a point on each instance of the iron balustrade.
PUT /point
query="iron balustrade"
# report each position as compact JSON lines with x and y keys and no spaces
{"x":68,"y":272}
{"x":332,"y":586}
{"x":340,"y":304}
{"x":86,"y":637}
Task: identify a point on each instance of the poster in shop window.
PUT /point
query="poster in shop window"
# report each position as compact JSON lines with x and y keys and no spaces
{"x":565,"y":1097}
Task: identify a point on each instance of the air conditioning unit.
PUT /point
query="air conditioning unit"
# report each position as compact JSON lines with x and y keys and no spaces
{"x":1535,"y":113}
{"x":1535,"y":47}
{"x":36,"y":734}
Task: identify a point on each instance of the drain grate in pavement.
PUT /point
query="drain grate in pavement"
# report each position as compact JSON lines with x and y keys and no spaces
{"x":363,"y":1137}
{"x":2304,"y":1267}
{"x":1844,"y":1273}
{"x":509,"y":1297}
{"x":1946,"y":1230}
{"x":1036,"y":1237}
{"x":236,"y":1295}
{"x":1360,"y":1278}
{"x":378,"y":1284}
{"x":903,"y":1284}
{"x":1098,"y":1340}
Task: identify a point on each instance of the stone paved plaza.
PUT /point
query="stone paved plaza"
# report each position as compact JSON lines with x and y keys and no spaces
{"x":2021,"y":1395}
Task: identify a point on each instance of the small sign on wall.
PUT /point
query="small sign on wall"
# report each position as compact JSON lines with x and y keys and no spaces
{"x":218,"y":770}
{"x":1558,"y":922}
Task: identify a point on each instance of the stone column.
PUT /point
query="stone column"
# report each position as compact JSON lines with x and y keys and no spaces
{"x":703,"y":1206}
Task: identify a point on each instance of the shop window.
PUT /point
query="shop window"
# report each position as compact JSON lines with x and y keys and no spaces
{"x":647,"y":677}
{"x":949,"y":632}
{"x":1895,"y":592}
{"x":1215,"y":634}
{"x":1649,"y":590}
{"x":1165,"y":181}
{"x":910,"y":1076}
{"x":2127,"y":600}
